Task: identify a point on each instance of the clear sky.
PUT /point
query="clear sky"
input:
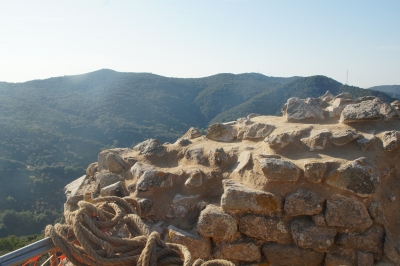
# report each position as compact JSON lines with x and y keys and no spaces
{"x":47,"y":38}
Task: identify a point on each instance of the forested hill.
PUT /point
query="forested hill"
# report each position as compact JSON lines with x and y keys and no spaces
{"x":51,"y":129}
{"x":391,"y":90}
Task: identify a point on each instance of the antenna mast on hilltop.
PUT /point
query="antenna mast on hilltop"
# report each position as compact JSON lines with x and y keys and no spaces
{"x":347,"y":78}
{"x":394,"y":92}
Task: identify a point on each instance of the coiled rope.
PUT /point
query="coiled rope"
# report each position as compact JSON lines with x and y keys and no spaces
{"x":94,"y":246}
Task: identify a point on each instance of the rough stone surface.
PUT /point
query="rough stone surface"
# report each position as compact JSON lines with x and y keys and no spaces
{"x":371,"y":240}
{"x":242,"y":251}
{"x":154,"y":179}
{"x":218,"y":156}
{"x":150,"y":147}
{"x":291,"y":255}
{"x":337,"y":106}
{"x":327,"y":97}
{"x":72,"y":188}
{"x":297,"y":109}
{"x":198,"y":246}
{"x":102,"y":157}
{"x":372,"y":110}
{"x":192,"y":133}
{"x":342,"y":137}
{"x":390,"y":250}
{"x":279,"y":141}
{"x":182,"y":205}
{"x":279,"y":170}
{"x":221,"y":132}
{"x":139,"y":168}
{"x":243,"y":161}
{"x":346,"y":213}
{"x":92,"y":169}
{"x":308,"y":235}
{"x":303,"y":202}
{"x":359,"y":176}
{"x":319,"y":219}
{"x":255,"y":131}
{"x":146,"y":206}
{"x":271,"y":229}
{"x":195,"y":155}
{"x":334,"y":260}
{"x":111,"y":190}
{"x":365,"y":259}
{"x":105,"y":178}
{"x":115,"y":163}
{"x":213,"y":222}
{"x":314,"y":172}
{"x":365,"y":141}
{"x":240,"y":199}
{"x":195,"y":179}
{"x":389,"y":140}
{"x":376,"y":212}
{"x":317,"y":140}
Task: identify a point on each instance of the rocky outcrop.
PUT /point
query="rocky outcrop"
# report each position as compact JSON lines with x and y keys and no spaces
{"x":297,"y":109}
{"x":221,"y":132}
{"x":279,"y":170}
{"x":268,"y":190}
{"x":359,"y":176}
{"x":237,"y":198}
{"x":347,"y":213}
{"x":372,"y":110}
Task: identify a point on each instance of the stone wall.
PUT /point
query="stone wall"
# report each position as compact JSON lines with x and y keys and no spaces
{"x":318,"y":186}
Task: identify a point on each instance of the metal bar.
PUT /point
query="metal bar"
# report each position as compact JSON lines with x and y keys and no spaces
{"x":22,"y":255}
{"x":16,"y":253}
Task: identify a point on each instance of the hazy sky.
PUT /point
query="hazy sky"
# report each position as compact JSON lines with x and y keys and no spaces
{"x":47,"y":38}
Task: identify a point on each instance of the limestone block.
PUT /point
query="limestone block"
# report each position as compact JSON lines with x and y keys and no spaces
{"x":242,"y":251}
{"x":389,"y":140}
{"x":372,"y":110}
{"x":195,"y":155}
{"x":105,"y":178}
{"x":92,"y":169}
{"x":146,"y":207}
{"x":297,"y":109}
{"x":319,"y":219}
{"x":390,"y":249}
{"x":150,"y":147}
{"x":271,"y":229}
{"x":279,"y":170}
{"x":195,"y":179}
{"x":359,"y":176}
{"x":346,"y":213}
{"x":277,"y":254}
{"x":342,"y":137}
{"x":314,"y":172}
{"x":278,"y":141}
{"x":303,"y":202}
{"x":243,"y":161}
{"x":221,"y":132}
{"x":199,"y":247}
{"x":102,"y":157}
{"x":240,"y":199}
{"x":317,"y":140}
{"x":111,"y":190}
{"x":192,"y":133}
{"x":115,"y":164}
{"x":308,"y":235}
{"x":365,"y":258}
{"x":213,"y":222}
{"x":138,"y":169}
{"x":376,"y":212}
{"x":218,"y":157}
{"x":365,"y":141}
{"x":72,"y":188}
{"x":154,"y":179}
{"x":334,"y":260}
{"x":182,"y":205}
{"x":255,"y":131}
{"x":371,"y":240}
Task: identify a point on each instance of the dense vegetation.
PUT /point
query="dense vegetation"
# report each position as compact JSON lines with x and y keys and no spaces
{"x":391,"y":90}
{"x":50,"y":130}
